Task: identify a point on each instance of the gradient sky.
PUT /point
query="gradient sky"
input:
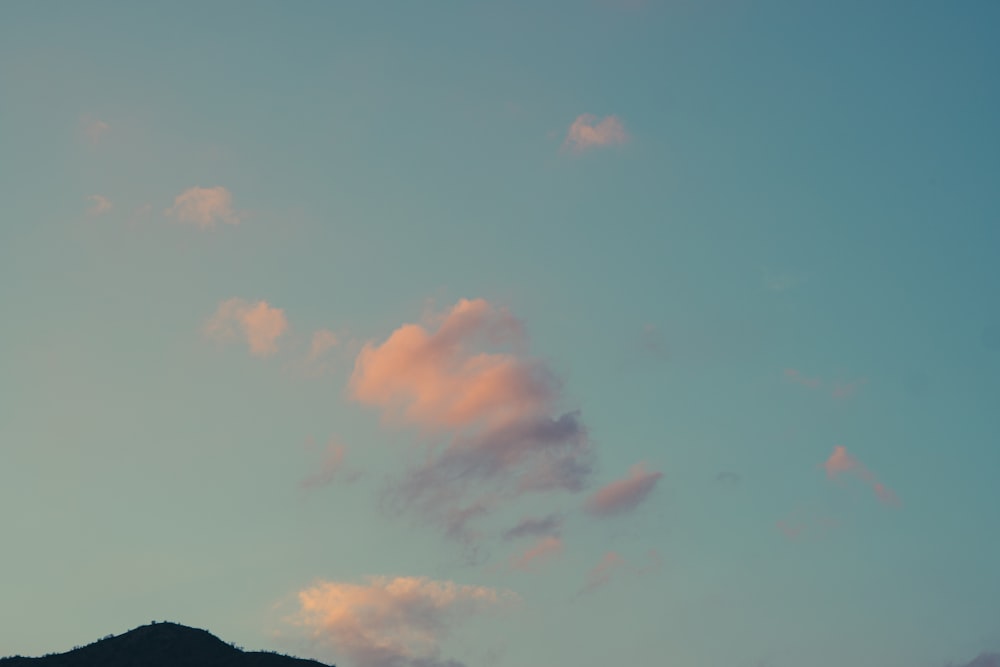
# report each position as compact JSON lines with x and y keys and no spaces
{"x":542,"y":334}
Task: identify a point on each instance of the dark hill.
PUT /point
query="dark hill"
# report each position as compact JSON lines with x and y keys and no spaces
{"x":160,"y":645}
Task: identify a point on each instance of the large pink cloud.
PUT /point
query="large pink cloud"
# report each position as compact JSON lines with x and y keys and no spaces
{"x":486,"y":408}
{"x":391,"y":622}
{"x":204,"y":207}
{"x":588,"y":132}
{"x":259,"y":323}
{"x":624,"y":494}
{"x":842,"y":462}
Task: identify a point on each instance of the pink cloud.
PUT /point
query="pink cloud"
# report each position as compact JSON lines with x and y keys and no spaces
{"x":260,"y":324}
{"x":545,"y":549}
{"x":95,"y":130}
{"x":464,"y":380}
{"x":624,"y":494}
{"x":391,"y":622}
{"x":841,"y":462}
{"x":322,"y":341}
{"x":796,"y":377}
{"x":603,"y":571}
{"x":100,"y":205}
{"x":847,"y":389}
{"x":204,"y":207}
{"x":589,"y":132}
{"x":331,"y":465}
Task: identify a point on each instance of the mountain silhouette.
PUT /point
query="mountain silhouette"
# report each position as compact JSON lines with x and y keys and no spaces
{"x":160,"y":645}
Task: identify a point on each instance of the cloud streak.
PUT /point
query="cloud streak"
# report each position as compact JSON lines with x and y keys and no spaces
{"x":587,"y":132}
{"x":391,"y":622}
{"x":101,"y":205}
{"x":331,"y":466}
{"x":260,"y":324}
{"x":841,"y":462}
{"x":624,"y":494}
{"x":544,"y":549}
{"x":204,"y":207}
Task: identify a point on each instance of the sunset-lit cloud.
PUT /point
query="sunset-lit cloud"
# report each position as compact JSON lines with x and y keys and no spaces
{"x":322,"y":341}
{"x":588,"y":132}
{"x":601,"y":574}
{"x":258,"y":323}
{"x":612,"y":563}
{"x":534,"y":527}
{"x":796,"y":377}
{"x":544,"y":549}
{"x":100,"y":204}
{"x":94,"y":130}
{"x":331,"y":465}
{"x":842,"y":462}
{"x":839,"y":390}
{"x":465,"y":376}
{"x":624,"y":494}
{"x":204,"y":207}
{"x":391,"y":622}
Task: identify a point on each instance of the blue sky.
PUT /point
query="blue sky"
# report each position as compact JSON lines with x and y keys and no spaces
{"x":307,"y":306}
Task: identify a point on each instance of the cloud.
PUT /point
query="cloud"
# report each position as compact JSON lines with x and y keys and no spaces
{"x":391,"y":622}
{"x":204,"y":207}
{"x":534,"y":527}
{"x":840,"y":390}
{"x":728,"y":477}
{"x":795,"y":377}
{"x":624,"y":494}
{"x":847,"y":389}
{"x":94,"y":130}
{"x":322,"y":341}
{"x":588,"y":132}
{"x":842,"y":462}
{"x":544,"y":549}
{"x":601,"y":574}
{"x":982,"y":660}
{"x":101,"y":205}
{"x":486,"y":408}
{"x":612,"y":563}
{"x":260,"y":324}
{"x":331,"y":465}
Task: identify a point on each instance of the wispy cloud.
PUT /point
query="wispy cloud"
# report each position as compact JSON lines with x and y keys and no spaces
{"x":982,"y":660}
{"x":601,"y":574}
{"x":544,"y":549}
{"x":100,"y":205}
{"x":587,"y":132}
{"x":259,"y":323}
{"x":796,"y":377}
{"x":94,"y":130}
{"x":391,"y":622}
{"x":842,"y":462}
{"x":331,"y":465}
{"x":613,"y":563}
{"x":322,"y":341}
{"x":534,"y":527}
{"x":204,"y":207}
{"x":624,"y":494}
{"x":465,"y":376}
{"x":839,"y":390}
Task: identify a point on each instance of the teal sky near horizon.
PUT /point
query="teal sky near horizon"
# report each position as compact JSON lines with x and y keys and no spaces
{"x":482,"y":334}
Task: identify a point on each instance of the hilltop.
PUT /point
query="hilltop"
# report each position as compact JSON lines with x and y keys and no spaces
{"x":160,"y":645}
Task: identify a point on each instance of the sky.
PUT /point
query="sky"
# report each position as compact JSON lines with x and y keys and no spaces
{"x":475,"y":334}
